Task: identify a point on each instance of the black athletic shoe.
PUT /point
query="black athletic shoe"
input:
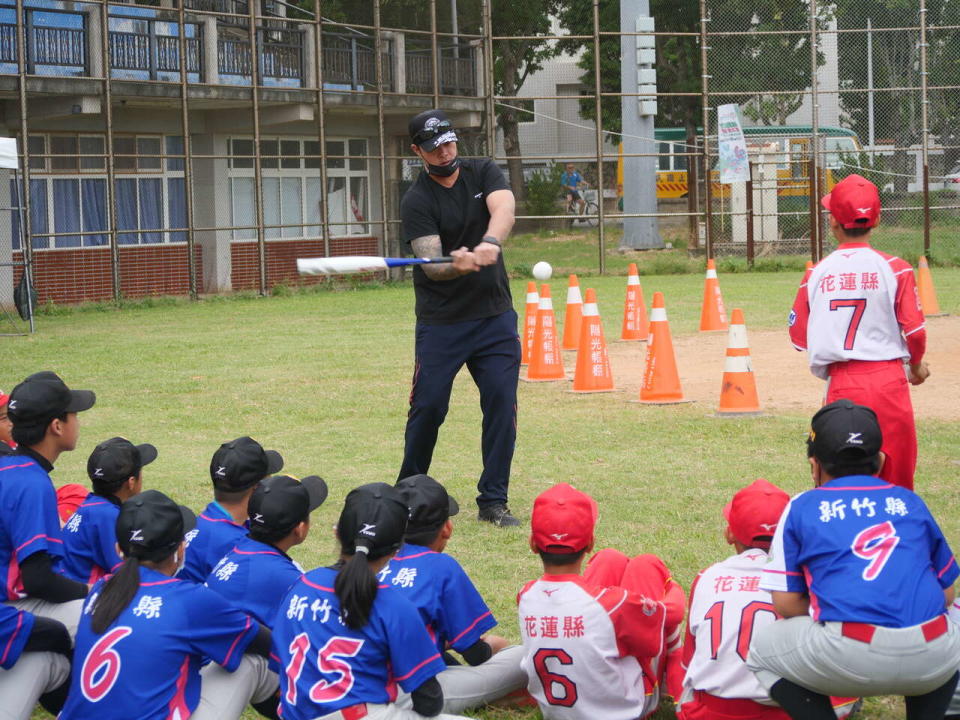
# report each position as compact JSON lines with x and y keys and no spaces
{"x":498,"y":515}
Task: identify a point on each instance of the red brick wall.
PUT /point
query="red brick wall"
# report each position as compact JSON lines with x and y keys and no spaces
{"x":282,"y":259}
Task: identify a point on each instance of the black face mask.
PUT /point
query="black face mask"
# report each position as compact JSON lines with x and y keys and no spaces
{"x":443,"y":170}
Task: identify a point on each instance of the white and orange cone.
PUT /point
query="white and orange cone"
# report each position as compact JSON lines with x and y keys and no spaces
{"x":738,"y":392}
{"x":712,"y":315}
{"x":593,"y":364}
{"x":573,"y":316}
{"x":661,"y":381}
{"x":635,"y":323}
{"x":928,"y":295}
{"x":529,"y":322}
{"x":545,"y":361}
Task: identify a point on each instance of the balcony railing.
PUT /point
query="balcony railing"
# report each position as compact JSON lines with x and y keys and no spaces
{"x":457,"y":70}
{"x":349,"y":62}
{"x":150,"y":49}
{"x":56,"y":43}
{"x":280,"y":55}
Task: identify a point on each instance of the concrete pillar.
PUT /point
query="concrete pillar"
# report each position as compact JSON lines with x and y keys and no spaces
{"x":211,"y":209}
{"x":309,"y":56}
{"x":95,"y":39}
{"x":398,"y":53}
{"x":211,"y":66}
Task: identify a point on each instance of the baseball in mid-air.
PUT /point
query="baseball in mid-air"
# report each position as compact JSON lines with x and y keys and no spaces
{"x":542,"y":271}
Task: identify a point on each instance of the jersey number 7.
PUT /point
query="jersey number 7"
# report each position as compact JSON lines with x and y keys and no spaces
{"x":858,"y":305}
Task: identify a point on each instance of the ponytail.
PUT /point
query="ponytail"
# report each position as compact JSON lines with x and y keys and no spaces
{"x":117,"y":593}
{"x":356,"y":588}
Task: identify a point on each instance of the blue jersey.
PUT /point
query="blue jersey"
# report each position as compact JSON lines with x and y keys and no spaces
{"x":146,"y":665}
{"x":865,"y":550}
{"x":28,"y":519}
{"x":449,"y":604}
{"x":325,"y":666}
{"x":215,"y":534}
{"x":255,"y":578}
{"x":571,"y":179}
{"x":15,"y":628}
{"x":90,"y":539}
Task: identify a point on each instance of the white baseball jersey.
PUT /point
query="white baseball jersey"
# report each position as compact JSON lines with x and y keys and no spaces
{"x":856,"y":304}
{"x":590,"y":652}
{"x":727,"y":607}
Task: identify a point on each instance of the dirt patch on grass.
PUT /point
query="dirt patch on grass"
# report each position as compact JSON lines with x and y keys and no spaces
{"x":784,"y":382}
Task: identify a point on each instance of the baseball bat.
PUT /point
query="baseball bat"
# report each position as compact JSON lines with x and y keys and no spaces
{"x":358,"y":263}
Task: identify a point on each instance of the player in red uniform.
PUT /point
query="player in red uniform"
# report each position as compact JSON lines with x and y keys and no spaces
{"x":858,"y":316}
{"x":595,"y":644}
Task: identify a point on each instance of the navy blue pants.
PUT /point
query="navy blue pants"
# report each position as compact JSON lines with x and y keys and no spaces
{"x":490,"y":348}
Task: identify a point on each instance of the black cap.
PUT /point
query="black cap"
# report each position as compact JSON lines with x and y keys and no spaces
{"x":843,"y":433}
{"x":281,"y":502}
{"x":42,"y":397}
{"x":374,"y":517}
{"x":116,"y":460}
{"x":151,"y":525}
{"x":428,"y":501}
{"x":242,"y":463}
{"x":430,"y":129}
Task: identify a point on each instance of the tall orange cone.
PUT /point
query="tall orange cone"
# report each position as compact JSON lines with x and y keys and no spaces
{"x":545,"y":361}
{"x":529,"y":322}
{"x":738,"y":392}
{"x":928,"y":295}
{"x":808,"y":265}
{"x":572,"y":319}
{"x":593,"y":364}
{"x":712,"y":315}
{"x":661,"y":382}
{"x":635,"y":323}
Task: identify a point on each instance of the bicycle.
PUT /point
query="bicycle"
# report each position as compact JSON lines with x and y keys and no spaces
{"x":588,"y":214}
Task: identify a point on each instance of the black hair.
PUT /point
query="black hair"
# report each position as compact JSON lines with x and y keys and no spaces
{"x":564,"y":558}
{"x":120,"y":590}
{"x":356,"y":583}
{"x":422,"y":537}
{"x":231,"y":496}
{"x":269,"y":535}
{"x":868,"y":466}
{"x":856,"y":232}
{"x":30,"y":435}
{"x":110,"y":488}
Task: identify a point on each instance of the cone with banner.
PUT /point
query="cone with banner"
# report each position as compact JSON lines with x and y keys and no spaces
{"x":545,"y":361}
{"x":928,"y":295}
{"x":712,"y":315}
{"x":635,"y":323}
{"x":529,"y":322}
{"x":738,"y":392}
{"x":661,"y":381}
{"x":572,"y":318}
{"x":593,"y":364}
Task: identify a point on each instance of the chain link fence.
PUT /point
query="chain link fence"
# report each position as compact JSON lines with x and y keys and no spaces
{"x":203,"y":148}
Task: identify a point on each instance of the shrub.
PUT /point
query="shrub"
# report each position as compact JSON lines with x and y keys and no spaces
{"x":543,"y":191}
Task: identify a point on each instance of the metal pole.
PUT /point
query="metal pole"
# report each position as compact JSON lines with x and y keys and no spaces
{"x":322,"y":131}
{"x":750,"y":248}
{"x":490,"y":88}
{"x":435,"y":53}
{"x":16,"y":184}
{"x":378,"y":65}
{"x":597,"y":101}
{"x":870,"y":122}
{"x":187,"y":153}
{"x":705,"y":95}
{"x":924,"y":107}
{"x":111,"y":183}
{"x":815,"y":133}
{"x":455,"y":26}
{"x":25,"y":218}
{"x":257,"y":160}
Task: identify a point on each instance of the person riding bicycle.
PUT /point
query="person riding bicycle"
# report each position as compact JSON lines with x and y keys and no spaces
{"x":571,"y":180}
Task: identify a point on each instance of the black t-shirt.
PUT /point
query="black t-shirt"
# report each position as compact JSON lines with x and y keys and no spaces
{"x":459,"y":215}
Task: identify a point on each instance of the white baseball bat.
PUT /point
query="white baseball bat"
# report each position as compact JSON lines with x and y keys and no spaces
{"x":358,"y":263}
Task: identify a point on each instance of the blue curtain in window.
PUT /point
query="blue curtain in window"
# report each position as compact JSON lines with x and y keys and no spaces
{"x":66,"y":212}
{"x":94,"y":197}
{"x":125,"y":198}
{"x":177,"y":208}
{"x":38,"y":211}
{"x":151,"y":210}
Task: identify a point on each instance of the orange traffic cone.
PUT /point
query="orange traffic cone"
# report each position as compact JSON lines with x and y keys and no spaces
{"x":572,"y":320}
{"x":928,"y":296}
{"x":738,"y":392}
{"x":661,"y":382}
{"x":808,"y":265}
{"x":545,"y":361}
{"x":635,"y":323}
{"x":712,"y":315}
{"x":593,"y":365}
{"x":529,"y":322}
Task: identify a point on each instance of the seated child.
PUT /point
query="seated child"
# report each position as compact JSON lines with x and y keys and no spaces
{"x":586,"y":635}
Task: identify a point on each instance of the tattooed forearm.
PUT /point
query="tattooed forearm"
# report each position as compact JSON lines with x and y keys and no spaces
{"x":429,"y":246}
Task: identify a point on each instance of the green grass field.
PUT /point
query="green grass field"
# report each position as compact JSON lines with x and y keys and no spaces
{"x":323,"y":376}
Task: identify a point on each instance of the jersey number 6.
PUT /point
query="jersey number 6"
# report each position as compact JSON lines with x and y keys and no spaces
{"x":102,"y":665}
{"x":328,"y":662}
{"x":548,"y":679}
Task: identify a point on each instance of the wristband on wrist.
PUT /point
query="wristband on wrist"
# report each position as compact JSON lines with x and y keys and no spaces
{"x":491,"y":239}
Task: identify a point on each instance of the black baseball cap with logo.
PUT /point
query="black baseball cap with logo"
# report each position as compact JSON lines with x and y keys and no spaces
{"x":44,"y":396}
{"x":431,"y":129}
{"x":844,"y":433}
{"x":428,"y":501}
{"x":281,"y":502}
{"x":242,"y":463}
{"x":150,"y":525}
{"x":116,"y":460}
{"x":374,"y":517}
